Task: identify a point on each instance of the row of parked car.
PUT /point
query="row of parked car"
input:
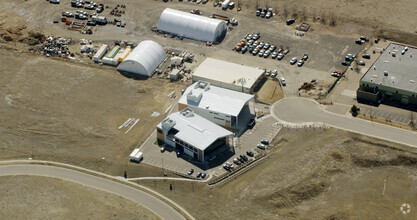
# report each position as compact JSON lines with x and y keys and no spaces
{"x":198,"y":175}
{"x":89,"y":5}
{"x":264,"y":12}
{"x":238,"y":160}
{"x":349,"y":58}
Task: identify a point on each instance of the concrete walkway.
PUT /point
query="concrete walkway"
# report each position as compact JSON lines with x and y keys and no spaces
{"x":301,"y":110}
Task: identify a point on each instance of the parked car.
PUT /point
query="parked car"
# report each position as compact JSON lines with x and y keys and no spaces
{"x":300,"y":63}
{"x":236,"y":161}
{"x":266,"y":53}
{"x":293,"y":60}
{"x":255,"y":51}
{"x":261,"y":53}
{"x":336,"y":74}
{"x":280,"y":56}
{"x":261,"y":146}
{"x":290,"y":21}
{"x":249,"y":37}
{"x":267,"y":45}
{"x":228,"y":166}
{"x":250,"y":153}
{"x":245,"y":158}
{"x":361,"y":63}
{"x":305,"y":57}
{"x":258,"y":13}
{"x":262,"y":14}
{"x":244,"y":49}
{"x":261,"y":44}
{"x":264,"y":141}
{"x":198,"y":175}
{"x":203,"y":175}
{"x":279,"y":50}
{"x":256,"y":36}
{"x":268,"y":15}
{"x":190,"y":172}
{"x":283,"y":82}
{"x":345,"y":63}
{"x":364,"y":38}
{"x":274,"y":55}
{"x":366,"y":56}
{"x":274,"y":73}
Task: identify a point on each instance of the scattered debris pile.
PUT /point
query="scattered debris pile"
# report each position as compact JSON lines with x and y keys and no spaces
{"x":307,"y":86}
{"x":56,"y":47}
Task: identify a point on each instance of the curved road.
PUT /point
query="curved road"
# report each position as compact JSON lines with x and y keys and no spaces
{"x":300,"y":110}
{"x":157,"y":206}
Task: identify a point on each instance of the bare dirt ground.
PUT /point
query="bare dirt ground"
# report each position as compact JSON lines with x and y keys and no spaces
{"x":62,"y":111}
{"x":312,"y":174}
{"x":270,"y":92}
{"x":36,"y":197}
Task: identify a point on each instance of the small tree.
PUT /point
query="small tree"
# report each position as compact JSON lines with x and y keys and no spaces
{"x":354,"y":110}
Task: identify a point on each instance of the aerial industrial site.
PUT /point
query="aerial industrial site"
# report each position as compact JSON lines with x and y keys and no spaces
{"x":208,"y":109}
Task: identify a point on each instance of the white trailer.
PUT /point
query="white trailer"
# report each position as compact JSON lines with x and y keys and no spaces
{"x":133,"y":154}
{"x":136,"y":156}
{"x":110,"y":61}
{"x":225,"y":4}
{"x":100,"y":53}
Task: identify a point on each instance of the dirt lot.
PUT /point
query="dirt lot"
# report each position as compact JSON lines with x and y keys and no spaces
{"x":312,"y":174}
{"x":49,"y":198}
{"x":271,"y":92}
{"x":67,"y":112}
{"x":324,"y":47}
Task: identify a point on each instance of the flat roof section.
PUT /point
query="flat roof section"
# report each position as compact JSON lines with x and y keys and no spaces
{"x":214,"y":98}
{"x":194,"y":129}
{"x":227,"y":72}
{"x":398,"y":70}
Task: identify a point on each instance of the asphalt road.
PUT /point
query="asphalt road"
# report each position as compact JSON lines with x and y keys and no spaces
{"x":157,"y":206}
{"x":299,"y":110}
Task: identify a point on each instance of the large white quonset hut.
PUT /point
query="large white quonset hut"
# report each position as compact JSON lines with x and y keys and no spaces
{"x":144,"y":59}
{"x":192,"y":26}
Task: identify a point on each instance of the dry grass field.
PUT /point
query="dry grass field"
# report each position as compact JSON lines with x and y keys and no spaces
{"x":35,"y":197}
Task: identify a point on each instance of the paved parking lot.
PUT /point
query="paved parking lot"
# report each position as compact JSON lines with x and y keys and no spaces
{"x":265,"y":128}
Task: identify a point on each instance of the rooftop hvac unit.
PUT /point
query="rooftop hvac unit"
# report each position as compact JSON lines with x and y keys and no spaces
{"x":412,"y":81}
{"x":375,"y":76}
{"x":385,"y":73}
{"x":405,"y":48}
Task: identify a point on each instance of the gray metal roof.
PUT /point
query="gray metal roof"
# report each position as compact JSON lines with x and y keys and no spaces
{"x":194,"y":129}
{"x":203,"y":95}
{"x":399,"y":71}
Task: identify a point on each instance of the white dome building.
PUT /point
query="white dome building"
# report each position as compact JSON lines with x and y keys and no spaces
{"x":144,"y":59}
{"x":192,"y":26}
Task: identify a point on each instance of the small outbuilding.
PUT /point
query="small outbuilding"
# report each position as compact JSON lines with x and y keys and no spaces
{"x":144,"y":59}
{"x":192,"y":26}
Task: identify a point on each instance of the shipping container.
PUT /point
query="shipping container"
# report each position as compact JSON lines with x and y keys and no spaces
{"x":100,"y":53}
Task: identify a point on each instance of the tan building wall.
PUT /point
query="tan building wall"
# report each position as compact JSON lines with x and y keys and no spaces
{"x":160,"y":134}
{"x":181,"y":106}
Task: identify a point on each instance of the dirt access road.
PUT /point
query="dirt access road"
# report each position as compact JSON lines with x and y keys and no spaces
{"x":49,"y":198}
{"x":312,"y":174}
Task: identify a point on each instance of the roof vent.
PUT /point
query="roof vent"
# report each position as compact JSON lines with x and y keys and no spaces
{"x":375,"y":76}
{"x":207,"y":106}
{"x":386,"y":61}
{"x":402,"y":52}
{"x":405,"y":48}
{"x":394,"y":54}
{"x":385,"y":73}
{"x":374,"y":67}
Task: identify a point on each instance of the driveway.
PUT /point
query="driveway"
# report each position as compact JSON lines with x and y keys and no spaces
{"x":157,"y":206}
{"x":299,"y":110}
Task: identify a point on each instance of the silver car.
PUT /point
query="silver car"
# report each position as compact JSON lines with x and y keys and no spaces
{"x":293,"y":60}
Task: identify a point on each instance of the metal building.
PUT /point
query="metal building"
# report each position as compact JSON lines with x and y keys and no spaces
{"x":144,"y":59}
{"x":392,"y":77}
{"x":192,"y":26}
